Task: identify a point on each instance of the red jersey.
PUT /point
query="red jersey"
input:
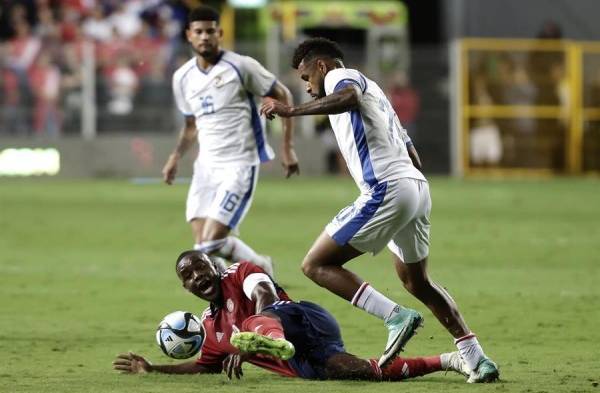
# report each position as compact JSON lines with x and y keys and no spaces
{"x":219,"y":321}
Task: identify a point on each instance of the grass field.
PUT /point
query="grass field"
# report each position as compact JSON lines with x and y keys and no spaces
{"x":86,"y":272}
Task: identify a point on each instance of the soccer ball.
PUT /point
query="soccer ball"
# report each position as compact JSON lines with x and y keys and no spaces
{"x":180,"y":335}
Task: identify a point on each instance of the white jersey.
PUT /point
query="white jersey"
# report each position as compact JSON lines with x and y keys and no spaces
{"x":222,"y":99}
{"x":371,"y":137}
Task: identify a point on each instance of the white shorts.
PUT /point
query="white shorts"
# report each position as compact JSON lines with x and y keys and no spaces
{"x":393,"y":213}
{"x":221,"y":193}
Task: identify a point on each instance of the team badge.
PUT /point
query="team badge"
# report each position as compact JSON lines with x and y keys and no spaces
{"x":229,"y":305}
{"x":218,"y":81}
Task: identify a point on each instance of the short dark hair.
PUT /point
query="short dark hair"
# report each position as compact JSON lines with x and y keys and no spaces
{"x":203,"y":13}
{"x":315,"y":47}
{"x":186,"y":254}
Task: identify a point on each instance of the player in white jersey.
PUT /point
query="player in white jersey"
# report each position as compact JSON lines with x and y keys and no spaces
{"x":393,"y":208}
{"x":215,"y":91}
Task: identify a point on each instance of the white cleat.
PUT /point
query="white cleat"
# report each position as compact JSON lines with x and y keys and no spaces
{"x":454,"y":362}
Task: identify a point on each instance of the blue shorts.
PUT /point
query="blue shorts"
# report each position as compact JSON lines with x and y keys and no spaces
{"x":314,"y":333}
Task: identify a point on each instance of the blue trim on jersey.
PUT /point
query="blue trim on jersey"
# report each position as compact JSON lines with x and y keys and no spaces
{"x":364,"y":81}
{"x":239,"y":74}
{"x":238,"y":214}
{"x":345,"y":83}
{"x":257,"y":129}
{"x":348,"y":230}
{"x":268,"y":93}
{"x":360,"y":140}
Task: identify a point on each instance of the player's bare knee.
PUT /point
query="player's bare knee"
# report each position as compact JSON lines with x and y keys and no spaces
{"x":308,"y":269}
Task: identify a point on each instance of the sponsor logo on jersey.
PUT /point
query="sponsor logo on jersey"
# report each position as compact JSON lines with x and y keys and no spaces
{"x":220,"y":336}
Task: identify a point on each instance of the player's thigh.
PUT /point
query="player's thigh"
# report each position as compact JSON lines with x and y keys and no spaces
{"x":411,"y":243}
{"x":202,"y":191}
{"x":376,"y":215}
{"x":234,"y":195}
{"x":325,"y":251}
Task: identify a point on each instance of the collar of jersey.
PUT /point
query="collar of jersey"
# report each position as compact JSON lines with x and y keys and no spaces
{"x":219,"y":56}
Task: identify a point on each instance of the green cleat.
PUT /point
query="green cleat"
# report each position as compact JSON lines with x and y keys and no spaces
{"x":251,"y":342}
{"x":486,"y":371}
{"x":402,"y":327}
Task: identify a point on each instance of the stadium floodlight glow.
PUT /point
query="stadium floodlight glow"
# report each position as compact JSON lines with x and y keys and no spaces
{"x":29,"y":162}
{"x":247,"y":3}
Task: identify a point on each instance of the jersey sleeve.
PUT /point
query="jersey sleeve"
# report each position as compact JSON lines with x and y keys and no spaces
{"x":252,"y":280}
{"x":182,"y":105}
{"x":341,"y":78}
{"x":257,"y":79}
{"x":240,"y":271}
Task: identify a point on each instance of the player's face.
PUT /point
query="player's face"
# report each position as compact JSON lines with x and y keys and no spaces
{"x":313,"y":73}
{"x":204,"y":36}
{"x":199,"y":276}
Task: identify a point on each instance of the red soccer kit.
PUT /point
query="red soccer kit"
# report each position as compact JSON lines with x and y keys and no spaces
{"x":219,"y":321}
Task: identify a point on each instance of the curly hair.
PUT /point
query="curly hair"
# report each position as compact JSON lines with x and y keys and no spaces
{"x":314,"y":47}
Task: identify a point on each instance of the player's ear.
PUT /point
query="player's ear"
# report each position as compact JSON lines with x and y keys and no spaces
{"x":322,"y":66}
{"x":188,"y":33}
{"x":220,"y":32}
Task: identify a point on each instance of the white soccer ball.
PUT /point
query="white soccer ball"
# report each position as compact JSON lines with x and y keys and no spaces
{"x":180,"y":335}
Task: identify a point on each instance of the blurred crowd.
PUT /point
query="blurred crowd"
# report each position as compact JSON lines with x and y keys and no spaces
{"x":137,"y":44}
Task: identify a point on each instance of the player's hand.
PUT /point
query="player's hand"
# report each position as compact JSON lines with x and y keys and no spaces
{"x":271,"y":107}
{"x":233,"y":364}
{"x":130,"y":363}
{"x":170,"y":169}
{"x":289,"y":161}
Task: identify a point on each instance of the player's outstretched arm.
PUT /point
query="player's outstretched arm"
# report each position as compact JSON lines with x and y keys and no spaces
{"x":289,"y":160}
{"x":341,"y":101}
{"x":131,"y":363}
{"x":187,"y":137}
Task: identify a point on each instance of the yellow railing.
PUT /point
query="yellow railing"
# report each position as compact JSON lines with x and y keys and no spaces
{"x":570,"y":113}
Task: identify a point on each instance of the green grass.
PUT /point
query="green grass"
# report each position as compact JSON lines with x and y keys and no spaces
{"x":86,"y":272}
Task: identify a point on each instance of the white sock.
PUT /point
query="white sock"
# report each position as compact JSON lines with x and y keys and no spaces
{"x":469,"y":350}
{"x":235,"y":250}
{"x":373,"y":302}
{"x":220,"y":263}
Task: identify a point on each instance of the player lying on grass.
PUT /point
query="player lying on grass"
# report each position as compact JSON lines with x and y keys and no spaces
{"x":393,"y":208}
{"x":252,"y":319}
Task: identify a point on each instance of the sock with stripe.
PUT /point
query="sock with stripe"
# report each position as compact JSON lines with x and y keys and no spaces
{"x":369,"y":299}
{"x":235,"y":250}
{"x":469,"y":350}
{"x":404,"y":368}
{"x":264,"y":326}
{"x":220,"y":263}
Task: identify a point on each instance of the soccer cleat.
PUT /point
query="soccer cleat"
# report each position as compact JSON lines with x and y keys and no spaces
{"x":454,"y":362}
{"x":486,"y":371}
{"x":251,"y":342}
{"x":402,"y":327}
